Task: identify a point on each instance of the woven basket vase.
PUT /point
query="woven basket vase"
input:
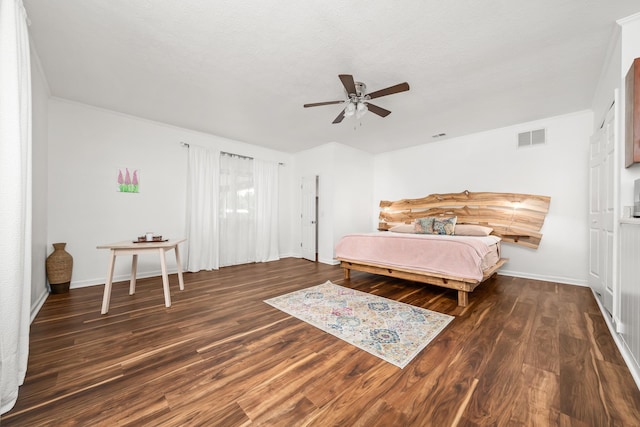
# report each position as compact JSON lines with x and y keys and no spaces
{"x":59,"y":267}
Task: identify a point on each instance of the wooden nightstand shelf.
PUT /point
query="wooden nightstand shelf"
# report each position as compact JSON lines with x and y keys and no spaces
{"x":383,"y":226}
{"x":514,"y":236}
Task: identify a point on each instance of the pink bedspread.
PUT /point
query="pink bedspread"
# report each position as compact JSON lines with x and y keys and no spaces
{"x":458,"y":256}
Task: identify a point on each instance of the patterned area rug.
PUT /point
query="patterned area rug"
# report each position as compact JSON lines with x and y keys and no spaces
{"x":393,"y":331}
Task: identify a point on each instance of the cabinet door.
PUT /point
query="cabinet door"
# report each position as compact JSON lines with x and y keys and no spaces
{"x":632,"y":114}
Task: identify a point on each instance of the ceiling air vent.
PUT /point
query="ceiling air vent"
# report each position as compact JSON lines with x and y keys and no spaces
{"x":532,"y":137}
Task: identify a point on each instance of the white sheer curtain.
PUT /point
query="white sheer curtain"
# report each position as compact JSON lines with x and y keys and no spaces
{"x":265,"y":178}
{"x":15,"y":197}
{"x":232,"y":210}
{"x":237,"y":210}
{"x":202,"y":209}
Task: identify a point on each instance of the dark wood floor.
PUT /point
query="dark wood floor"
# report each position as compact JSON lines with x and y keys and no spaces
{"x":523,"y":353}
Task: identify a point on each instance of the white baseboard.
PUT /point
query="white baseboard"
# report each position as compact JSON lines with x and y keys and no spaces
{"x":125,"y":277}
{"x":35,"y":309}
{"x":329,"y":261}
{"x":545,"y":278}
{"x":118,"y":278}
{"x":291,"y":255}
{"x":322,"y":260}
{"x":502,"y":272}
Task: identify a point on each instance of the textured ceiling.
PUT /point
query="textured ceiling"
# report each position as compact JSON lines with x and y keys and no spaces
{"x":243,"y":69}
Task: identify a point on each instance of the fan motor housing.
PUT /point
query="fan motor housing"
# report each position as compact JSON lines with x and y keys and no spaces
{"x":361,"y":89}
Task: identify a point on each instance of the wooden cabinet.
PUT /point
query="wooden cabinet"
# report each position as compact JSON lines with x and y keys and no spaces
{"x":632,"y":116}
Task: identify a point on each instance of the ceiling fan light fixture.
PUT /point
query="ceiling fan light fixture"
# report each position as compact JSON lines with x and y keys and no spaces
{"x":361,"y":109}
{"x":350,"y":110}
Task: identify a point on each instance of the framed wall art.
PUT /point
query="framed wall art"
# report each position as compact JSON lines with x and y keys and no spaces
{"x":128,"y":182}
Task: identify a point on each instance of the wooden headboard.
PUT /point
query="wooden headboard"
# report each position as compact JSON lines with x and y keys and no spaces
{"x":516,"y":218}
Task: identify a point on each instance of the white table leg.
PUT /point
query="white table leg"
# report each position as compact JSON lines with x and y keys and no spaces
{"x":165,"y":279}
{"x":134,"y":270}
{"x":107,"y":285}
{"x":179,"y":265}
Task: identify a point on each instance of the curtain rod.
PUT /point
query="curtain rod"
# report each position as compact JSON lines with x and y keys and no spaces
{"x":184,"y":144}
{"x":236,"y":155}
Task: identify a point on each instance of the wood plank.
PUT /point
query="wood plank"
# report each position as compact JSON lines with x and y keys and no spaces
{"x":518,"y":218}
{"x":524,"y":201}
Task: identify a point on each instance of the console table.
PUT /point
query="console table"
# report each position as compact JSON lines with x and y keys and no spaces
{"x":141,"y":248}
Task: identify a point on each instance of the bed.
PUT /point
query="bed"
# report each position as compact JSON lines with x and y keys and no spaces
{"x":443,"y":257}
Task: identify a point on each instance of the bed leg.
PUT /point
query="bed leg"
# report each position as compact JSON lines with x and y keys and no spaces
{"x":347,"y":273}
{"x":463,"y":298}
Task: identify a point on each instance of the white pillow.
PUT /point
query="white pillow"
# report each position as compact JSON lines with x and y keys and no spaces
{"x":402,"y":228}
{"x":472,"y":230}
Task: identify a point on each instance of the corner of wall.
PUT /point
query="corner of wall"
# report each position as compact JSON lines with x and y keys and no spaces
{"x":37,"y":66}
{"x":40,"y":155}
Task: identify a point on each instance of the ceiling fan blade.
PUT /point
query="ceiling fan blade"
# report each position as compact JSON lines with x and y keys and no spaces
{"x":377,"y":110}
{"x":348,"y":83}
{"x":318,"y":104}
{"x":339,"y":118}
{"x":401,"y":87}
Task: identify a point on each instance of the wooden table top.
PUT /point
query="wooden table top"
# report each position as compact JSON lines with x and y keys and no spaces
{"x":130,"y":244}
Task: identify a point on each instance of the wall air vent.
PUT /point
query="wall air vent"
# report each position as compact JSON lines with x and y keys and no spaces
{"x":532,"y":137}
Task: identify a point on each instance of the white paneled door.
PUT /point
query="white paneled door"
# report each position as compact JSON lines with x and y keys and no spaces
{"x":309,"y":217}
{"x":601,"y":210}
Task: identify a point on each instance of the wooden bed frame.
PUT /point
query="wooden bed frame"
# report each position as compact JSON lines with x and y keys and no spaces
{"x":516,"y":218}
{"x":462,"y":285}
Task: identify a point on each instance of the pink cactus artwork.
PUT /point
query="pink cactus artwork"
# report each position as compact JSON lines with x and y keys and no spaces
{"x":128,"y":182}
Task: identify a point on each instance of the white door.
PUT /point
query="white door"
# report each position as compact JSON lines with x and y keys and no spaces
{"x":595,"y":171}
{"x":601,"y":210}
{"x":309,"y":217}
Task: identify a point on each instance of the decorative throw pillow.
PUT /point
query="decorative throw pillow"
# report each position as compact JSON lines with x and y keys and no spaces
{"x":403,"y":228}
{"x":472,"y":230}
{"x":444,"y":225}
{"x":423,"y":225}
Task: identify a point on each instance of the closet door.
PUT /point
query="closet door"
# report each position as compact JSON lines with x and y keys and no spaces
{"x":309,"y":217}
{"x":601,"y":211}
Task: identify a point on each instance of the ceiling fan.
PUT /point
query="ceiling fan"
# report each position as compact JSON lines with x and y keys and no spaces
{"x":357,"y":102}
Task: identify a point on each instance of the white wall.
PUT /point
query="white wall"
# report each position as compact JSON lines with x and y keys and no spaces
{"x":352,"y":192}
{"x":609,"y":80}
{"x":39,"y":247}
{"x":344,"y":193}
{"x":87,"y":146}
{"x":490,"y":161}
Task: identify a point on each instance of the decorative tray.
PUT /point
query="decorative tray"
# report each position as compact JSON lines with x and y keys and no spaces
{"x":156,"y":239}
